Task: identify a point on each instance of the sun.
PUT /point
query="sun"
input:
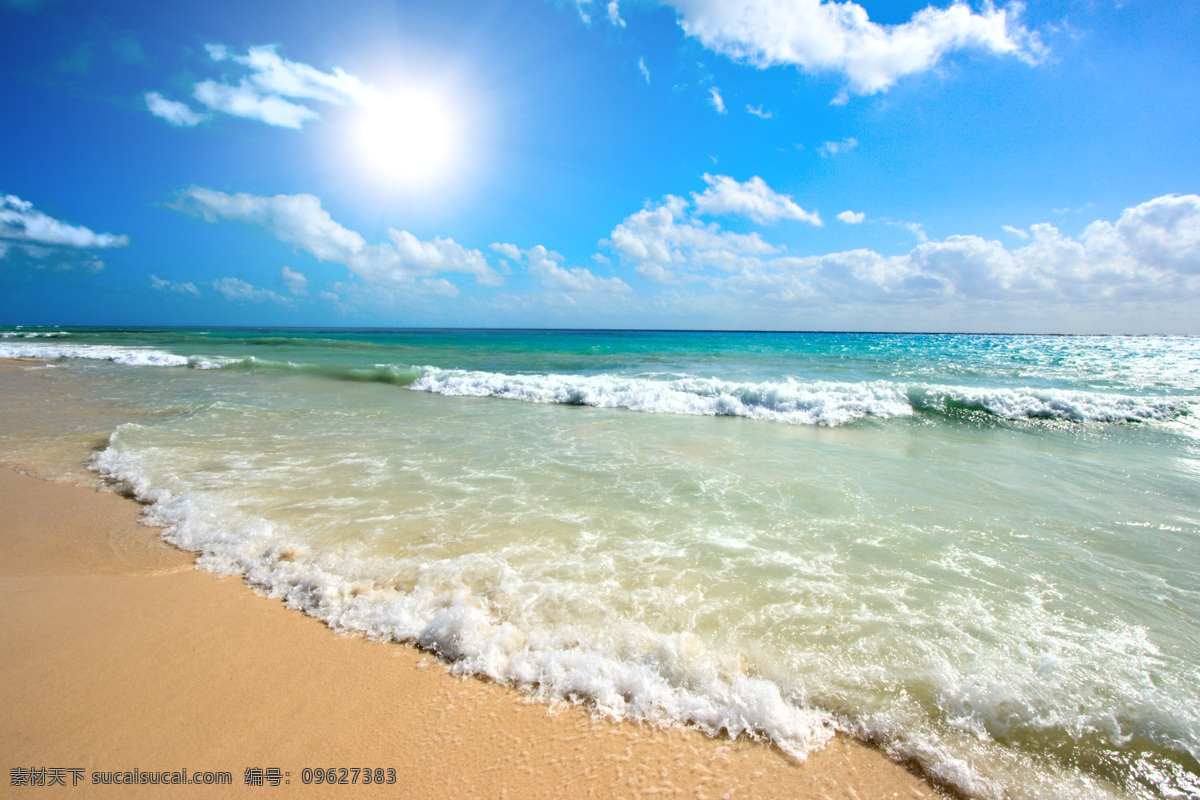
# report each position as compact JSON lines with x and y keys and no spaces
{"x":410,"y":138}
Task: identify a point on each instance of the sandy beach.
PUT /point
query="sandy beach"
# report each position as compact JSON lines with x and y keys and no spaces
{"x":119,"y":656}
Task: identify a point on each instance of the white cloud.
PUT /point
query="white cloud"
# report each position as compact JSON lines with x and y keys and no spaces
{"x":296,"y":282}
{"x":178,"y":114}
{"x":543,"y":264}
{"x":758,"y":111}
{"x":273,"y":74}
{"x":852,"y":217}
{"x":1150,"y":254}
{"x":269,"y":93}
{"x":36,"y":239}
{"x":247,"y":102}
{"x":1163,"y":232}
{"x":169,"y":286}
{"x":657,"y":273}
{"x":833,"y":148}
{"x":1020,"y":234}
{"x":612,"y":10}
{"x":642,"y":68}
{"x":715,"y":100}
{"x":439,"y":286}
{"x":508,"y":250}
{"x":668,"y":236}
{"x":240,"y":291}
{"x":917,"y":230}
{"x":614,"y":14}
{"x":820,"y":36}
{"x":300,"y":221}
{"x":20,"y":223}
{"x":753,"y":199}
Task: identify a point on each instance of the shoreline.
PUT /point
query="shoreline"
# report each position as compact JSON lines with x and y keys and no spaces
{"x":122,"y":656}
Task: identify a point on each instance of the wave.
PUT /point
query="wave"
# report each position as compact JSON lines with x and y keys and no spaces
{"x":450,"y":607}
{"x":789,"y":400}
{"x":796,"y":402}
{"x":33,"y":334}
{"x":149,"y":357}
{"x":132,"y":356}
{"x":629,"y":673}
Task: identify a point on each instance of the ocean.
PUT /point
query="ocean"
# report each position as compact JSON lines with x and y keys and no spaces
{"x":978,"y":552}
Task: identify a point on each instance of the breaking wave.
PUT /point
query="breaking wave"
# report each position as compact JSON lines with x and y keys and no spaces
{"x":789,"y":400}
{"x":804,"y":403}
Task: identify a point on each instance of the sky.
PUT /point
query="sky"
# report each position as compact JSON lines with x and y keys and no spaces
{"x":685,"y":164}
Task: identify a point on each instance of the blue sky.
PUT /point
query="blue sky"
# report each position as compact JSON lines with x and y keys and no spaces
{"x":765,"y":164}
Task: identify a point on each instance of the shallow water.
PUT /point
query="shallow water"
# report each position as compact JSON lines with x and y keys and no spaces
{"x":976,"y":551}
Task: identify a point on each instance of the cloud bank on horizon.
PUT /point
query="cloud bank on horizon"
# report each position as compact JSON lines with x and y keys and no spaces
{"x":825,"y":123}
{"x":1152,"y":251}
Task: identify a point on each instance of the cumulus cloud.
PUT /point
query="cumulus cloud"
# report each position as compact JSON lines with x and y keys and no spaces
{"x":240,"y":291}
{"x":657,"y":273}
{"x":544,"y":264}
{"x":714,"y":99}
{"x":507,"y":250}
{"x":1020,"y":234}
{"x":664,"y":239}
{"x":1150,"y":253}
{"x":753,"y":199}
{"x":758,"y":111}
{"x":274,"y":91}
{"x":403,"y":262}
{"x":178,"y":114}
{"x":852,"y":217}
{"x":164,"y":285}
{"x":30,"y":236}
{"x":822,"y":36}
{"x":295,"y":281}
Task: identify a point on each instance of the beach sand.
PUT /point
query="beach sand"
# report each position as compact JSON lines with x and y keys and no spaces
{"x":117,"y":654}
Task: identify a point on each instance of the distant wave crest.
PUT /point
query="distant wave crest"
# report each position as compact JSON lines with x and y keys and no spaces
{"x":804,"y":403}
{"x":149,"y":357}
{"x":33,"y":334}
{"x":789,"y":400}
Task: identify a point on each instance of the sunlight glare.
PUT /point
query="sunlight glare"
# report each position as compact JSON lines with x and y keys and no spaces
{"x":409,"y":138}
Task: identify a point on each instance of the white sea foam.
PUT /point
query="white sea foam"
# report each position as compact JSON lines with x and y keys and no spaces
{"x":789,"y":400}
{"x":1041,"y":674}
{"x":625,"y":672}
{"x":33,"y":334}
{"x":820,"y":403}
{"x":129,"y":356}
{"x":135,"y":356}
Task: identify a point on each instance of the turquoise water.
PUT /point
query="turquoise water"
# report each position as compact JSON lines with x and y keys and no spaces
{"x":978,"y":552}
